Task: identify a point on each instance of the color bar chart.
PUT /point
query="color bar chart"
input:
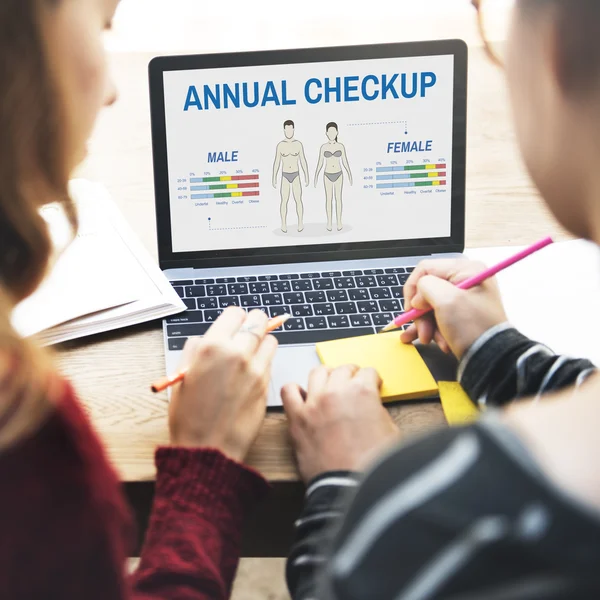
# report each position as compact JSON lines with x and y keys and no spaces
{"x":224,"y":195}
{"x":427,"y":167}
{"x":237,"y":186}
{"x":406,"y":184}
{"x":427,"y":175}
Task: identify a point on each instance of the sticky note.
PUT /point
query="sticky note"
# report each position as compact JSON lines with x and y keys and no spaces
{"x":404,"y":373}
{"x":458,"y":407}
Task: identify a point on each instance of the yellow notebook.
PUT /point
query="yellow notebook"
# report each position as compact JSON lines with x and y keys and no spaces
{"x":404,"y":373}
{"x":458,"y":407}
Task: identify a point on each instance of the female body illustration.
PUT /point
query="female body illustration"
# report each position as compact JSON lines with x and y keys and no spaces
{"x":333,"y":155}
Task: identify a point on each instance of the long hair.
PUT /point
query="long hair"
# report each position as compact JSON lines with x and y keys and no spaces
{"x":33,"y":171}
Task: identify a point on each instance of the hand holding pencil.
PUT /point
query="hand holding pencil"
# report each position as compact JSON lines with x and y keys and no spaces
{"x":222,"y":399}
{"x":459,"y":317}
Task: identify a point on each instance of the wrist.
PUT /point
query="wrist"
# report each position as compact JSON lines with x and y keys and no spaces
{"x":191,"y":442}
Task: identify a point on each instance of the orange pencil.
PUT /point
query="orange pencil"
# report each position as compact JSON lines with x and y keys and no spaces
{"x":168,"y":381}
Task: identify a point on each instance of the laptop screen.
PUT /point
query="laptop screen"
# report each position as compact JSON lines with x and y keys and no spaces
{"x":317,"y":153}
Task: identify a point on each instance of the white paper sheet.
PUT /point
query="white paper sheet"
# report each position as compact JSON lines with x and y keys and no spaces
{"x":553,"y":296}
{"x":104,"y":279}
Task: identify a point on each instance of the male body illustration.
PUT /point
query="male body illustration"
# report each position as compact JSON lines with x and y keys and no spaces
{"x":291,"y":158}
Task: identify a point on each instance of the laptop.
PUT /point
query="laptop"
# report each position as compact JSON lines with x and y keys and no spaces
{"x":307,"y":181}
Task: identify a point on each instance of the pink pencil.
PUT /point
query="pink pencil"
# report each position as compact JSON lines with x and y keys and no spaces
{"x":413,"y":314}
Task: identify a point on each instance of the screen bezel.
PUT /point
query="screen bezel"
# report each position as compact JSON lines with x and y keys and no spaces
{"x":314,"y":252}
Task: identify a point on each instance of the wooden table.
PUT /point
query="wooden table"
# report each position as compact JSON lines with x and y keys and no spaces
{"x":111,"y":372}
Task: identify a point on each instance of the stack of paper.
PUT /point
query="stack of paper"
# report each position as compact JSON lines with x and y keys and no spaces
{"x":105,"y":279}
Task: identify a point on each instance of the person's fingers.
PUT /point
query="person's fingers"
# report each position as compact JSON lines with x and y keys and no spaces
{"x":317,"y":380}
{"x":252,"y":332}
{"x":438,"y":292}
{"x":452,"y":270}
{"x":441,"y":342}
{"x":426,"y":329}
{"x":227,"y":324}
{"x":342,"y":375}
{"x":293,"y":402}
{"x":369,"y":376}
{"x":408,"y":336}
{"x":263,"y":358}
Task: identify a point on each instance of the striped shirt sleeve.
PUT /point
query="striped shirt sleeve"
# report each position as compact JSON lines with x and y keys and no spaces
{"x":504,"y":365}
{"x":501,"y":366}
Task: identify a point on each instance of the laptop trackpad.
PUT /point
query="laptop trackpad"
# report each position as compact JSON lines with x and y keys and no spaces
{"x":292,"y":364}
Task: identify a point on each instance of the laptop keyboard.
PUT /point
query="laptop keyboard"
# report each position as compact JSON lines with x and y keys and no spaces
{"x":324,"y":305}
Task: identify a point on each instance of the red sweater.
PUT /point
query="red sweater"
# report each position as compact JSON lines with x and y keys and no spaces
{"x":65,"y":530}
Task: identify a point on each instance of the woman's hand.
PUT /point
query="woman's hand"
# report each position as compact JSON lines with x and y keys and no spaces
{"x":222,"y":400}
{"x":460,"y":317}
{"x":339,"y":423}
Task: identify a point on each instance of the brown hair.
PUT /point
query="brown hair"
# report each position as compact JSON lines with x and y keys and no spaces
{"x":578,"y":35}
{"x":33,"y":171}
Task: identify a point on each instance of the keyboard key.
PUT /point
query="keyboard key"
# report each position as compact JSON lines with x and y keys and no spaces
{"x":310,"y":275}
{"x":397,"y":292}
{"x":346,"y":308}
{"x":246,"y":279}
{"x":302,"y":285}
{"x":323,"y":284}
{"x":208,"y":302}
{"x":380,"y":293}
{"x":338,"y":322}
{"x":204,"y":281}
{"x":410,"y":269}
{"x":289,"y":277}
{"x":387,"y":280}
{"x":177,"y":343}
{"x":277,"y":311}
{"x":324,"y":309}
{"x":313,"y":297}
{"x":337,"y":296}
{"x":187,"y":330}
{"x":331,"y":274}
{"x":193,"y":291}
{"x":215,"y":290}
{"x":237,"y":289}
{"x":272,"y":299}
{"x":294,"y":298}
{"x":190,"y":316}
{"x":179,"y":291}
{"x":294,"y":325}
{"x":402,"y":279}
{"x":263,"y":308}
{"x":396,"y":270}
{"x":366,"y":281}
{"x":268,"y":278}
{"x":354,"y":273}
{"x":212,"y":315}
{"x":250,"y":301}
{"x":360,"y":294}
{"x":313,"y":336}
{"x":393,"y":305}
{"x":302,"y":310}
{"x":373,"y":271}
{"x":225,"y":301}
{"x":344,"y":283}
{"x":367,"y":307}
{"x":183,"y":282}
{"x":360,"y":321}
{"x":316,"y":323}
{"x":190,"y":303}
{"x":226,"y":280}
{"x":280,"y":286}
{"x":262,"y":287}
{"x":382,"y":319}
